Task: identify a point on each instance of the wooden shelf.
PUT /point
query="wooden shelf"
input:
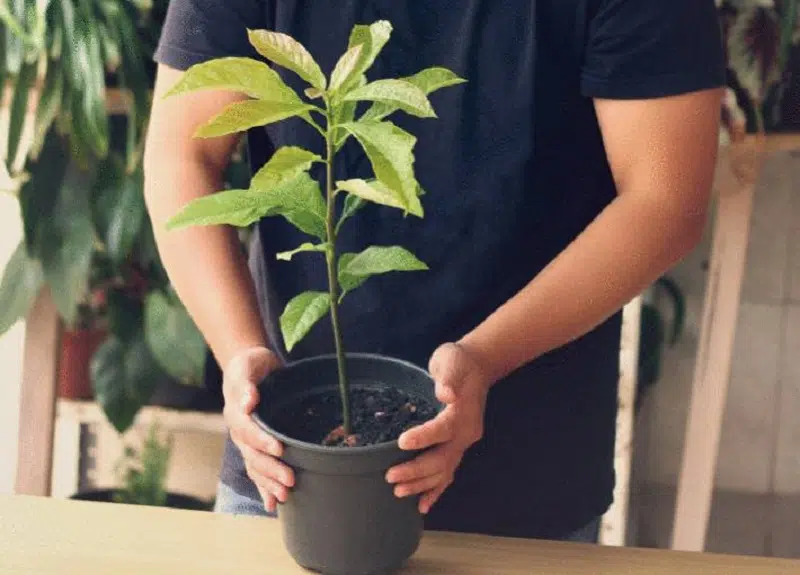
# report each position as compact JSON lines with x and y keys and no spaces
{"x":169,"y":419}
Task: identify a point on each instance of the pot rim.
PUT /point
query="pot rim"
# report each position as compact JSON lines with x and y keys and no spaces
{"x":330,"y":450}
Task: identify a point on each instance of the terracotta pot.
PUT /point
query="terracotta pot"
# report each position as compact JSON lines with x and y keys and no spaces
{"x":77,"y":348}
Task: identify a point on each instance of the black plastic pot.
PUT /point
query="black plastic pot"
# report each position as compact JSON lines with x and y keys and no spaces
{"x":174,"y":500}
{"x":342,"y":517}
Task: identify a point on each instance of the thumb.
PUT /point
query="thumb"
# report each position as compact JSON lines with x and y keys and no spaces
{"x":244,"y":372}
{"x":445,"y":367}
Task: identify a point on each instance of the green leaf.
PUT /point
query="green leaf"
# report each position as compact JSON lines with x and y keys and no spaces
{"x":345,"y":68}
{"x":286,"y":164}
{"x":300,"y":315}
{"x":390,"y":151}
{"x":355,"y":269}
{"x":289,"y":53}
{"x":174,"y":339}
{"x":124,"y":377}
{"x":241,"y":116}
{"x":89,"y":96}
{"x":300,"y":201}
{"x":239,"y":208}
{"x":251,"y":77}
{"x":125,"y":314}
{"x":119,"y":207}
{"x":306,"y":247}
{"x":352,"y":204}
{"x":19,"y":109}
{"x":65,"y":246}
{"x":48,"y":107}
{"x":428,"y":80}
{"x":397,"y":93}
{"x":373,"y":38}
{"x":373,"y":191}
{"x":22,"y":280}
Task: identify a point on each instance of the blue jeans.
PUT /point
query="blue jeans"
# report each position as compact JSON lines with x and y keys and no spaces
{"x":230,"y":502}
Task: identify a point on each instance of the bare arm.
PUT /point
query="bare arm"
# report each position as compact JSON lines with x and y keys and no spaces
{"x":662,"y":153}
{"x":205,"y":264}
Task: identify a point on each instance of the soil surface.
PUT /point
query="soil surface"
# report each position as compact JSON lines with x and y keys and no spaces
{"x":378,"y":415}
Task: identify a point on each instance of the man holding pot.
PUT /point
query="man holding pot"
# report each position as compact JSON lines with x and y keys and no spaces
{"x":571,"y":171}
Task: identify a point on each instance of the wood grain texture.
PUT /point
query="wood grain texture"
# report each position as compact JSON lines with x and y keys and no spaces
{"x":50,"y":536}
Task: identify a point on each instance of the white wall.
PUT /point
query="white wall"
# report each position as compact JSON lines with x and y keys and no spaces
{"x":11,"y":345}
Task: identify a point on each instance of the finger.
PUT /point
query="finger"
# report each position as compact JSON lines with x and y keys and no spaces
{"x":266,"y":486}
{"x":431,"y":463}
{"x":268,"y":466}
{"x":446,"y":368}
{"x":430,"y":498}
{"x":420,"y":485}
{"x":269,"y":500}
{"x":256,"y":438}
{"x":440,"y":429}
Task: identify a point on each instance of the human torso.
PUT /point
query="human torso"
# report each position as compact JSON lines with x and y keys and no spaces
{"x":514,"y":170}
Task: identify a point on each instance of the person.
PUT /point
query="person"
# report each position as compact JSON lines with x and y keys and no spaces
{"x":570,"y":171}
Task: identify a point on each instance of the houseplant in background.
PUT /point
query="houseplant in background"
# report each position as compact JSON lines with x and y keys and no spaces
{"x":339,"y":416}
{"x":143,"y":478}
{"x":85,"y":67}
{"x":761,"y":41}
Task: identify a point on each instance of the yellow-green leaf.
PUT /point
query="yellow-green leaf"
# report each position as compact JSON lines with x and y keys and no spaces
{"x":344,"y":68}
{"x":355,"y":269}
{"x":238,"y":208}
{"x":372,"y":38}
{"x":428,"y":80}
{"x":390,"y":151}
{"x":306,"y":247}
{"x":373,"y":191}
{"x":241,"y":116}
{"x":236,"y":74}
{"x":398,"y":93}
{"x":300,"y":315}
{"x":285,"y":164}
{"x":289,"y":53}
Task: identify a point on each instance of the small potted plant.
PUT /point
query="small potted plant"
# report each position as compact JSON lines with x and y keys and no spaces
{"x":339,"y":416}
{"x":143,"y":478}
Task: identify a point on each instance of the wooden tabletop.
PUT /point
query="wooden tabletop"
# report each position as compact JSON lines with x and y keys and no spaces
{"x":41,"y":536}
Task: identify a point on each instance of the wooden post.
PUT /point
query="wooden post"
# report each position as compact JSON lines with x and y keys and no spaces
{"x":38,"y":398}
{"x":613,"y":529}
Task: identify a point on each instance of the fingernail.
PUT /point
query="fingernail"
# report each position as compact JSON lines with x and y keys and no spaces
{"x":246,"y":400}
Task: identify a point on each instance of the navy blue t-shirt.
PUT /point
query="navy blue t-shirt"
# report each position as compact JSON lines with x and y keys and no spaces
{"x":514,"y":169}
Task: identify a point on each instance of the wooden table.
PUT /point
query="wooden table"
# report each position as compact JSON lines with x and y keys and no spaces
{"x":41,"y":536}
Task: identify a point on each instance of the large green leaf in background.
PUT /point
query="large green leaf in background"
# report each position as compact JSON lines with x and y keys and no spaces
{"x":124,"y":377}
{"x":174,"y":339}
{"x":19,"y":287}
{"x":118,"y":207}
{"x":65,"y":246}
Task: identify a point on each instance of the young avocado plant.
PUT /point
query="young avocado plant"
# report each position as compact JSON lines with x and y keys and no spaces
{"x":283,"y":186}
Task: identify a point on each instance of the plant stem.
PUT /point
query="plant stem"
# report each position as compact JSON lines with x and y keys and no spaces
{"x":333,"y":283}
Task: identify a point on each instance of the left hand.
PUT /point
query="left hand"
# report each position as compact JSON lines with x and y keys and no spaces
{"x":462,"y":387}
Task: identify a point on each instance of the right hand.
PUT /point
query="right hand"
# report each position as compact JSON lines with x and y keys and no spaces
{"x":260,"y":450}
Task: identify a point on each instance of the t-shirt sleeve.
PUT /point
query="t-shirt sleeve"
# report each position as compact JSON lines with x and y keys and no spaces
{"x":652,"y":48}
{"x":195,"y":31}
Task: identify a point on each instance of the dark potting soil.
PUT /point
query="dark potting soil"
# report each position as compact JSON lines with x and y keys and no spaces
{"x":378,"y":415}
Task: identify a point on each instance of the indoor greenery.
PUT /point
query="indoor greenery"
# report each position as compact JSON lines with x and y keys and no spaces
{"x":143,"y":472}
{"x":87,"y":236}
{"x":761,"y":40}
{"x":284,"y":187}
